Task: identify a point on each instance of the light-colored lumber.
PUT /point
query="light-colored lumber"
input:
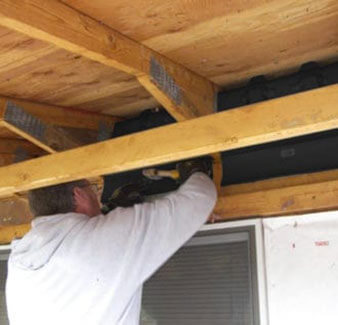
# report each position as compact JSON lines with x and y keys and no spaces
{"x":229,"y":42}
{"x":279,"y":196}
{"x":27,"y":136}
{"x":275,"y":197}
{"x":304,"y":198}
{"x":40,"y":72}
{"x":189,"y":104}
{"x":19,"y":155}
{"x":304,"y":113}
{"x":177,"y":88}
{"x":8,"y":233}
{"x":15,"y":150}
{"x":33,"y":123}
{"x":43,"y":135}
{"x":12,"y":146}
{"x":280,"y":182}
{"x":14,"y":211}
{"x":6,"y":159}
{"x":64,"y":116}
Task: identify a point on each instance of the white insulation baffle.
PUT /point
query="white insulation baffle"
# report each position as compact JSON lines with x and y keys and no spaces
{"x":302,"y":269}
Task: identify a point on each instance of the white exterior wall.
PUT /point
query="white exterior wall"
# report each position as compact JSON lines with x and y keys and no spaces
{"x":302,"y":269}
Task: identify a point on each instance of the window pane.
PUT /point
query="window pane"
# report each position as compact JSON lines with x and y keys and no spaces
{"x":3,"y":308}
{"x":205,"y":284}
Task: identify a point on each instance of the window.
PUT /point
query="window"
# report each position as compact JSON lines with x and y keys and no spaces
{"x":3,"y":277}
{"x":211,"y":280}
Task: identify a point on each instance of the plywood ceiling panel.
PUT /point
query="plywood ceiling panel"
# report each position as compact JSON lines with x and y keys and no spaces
{"x":37,"y":71}
{"x":227,"y":41}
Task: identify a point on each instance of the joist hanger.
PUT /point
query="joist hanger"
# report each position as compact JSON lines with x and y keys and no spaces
{"x":29,"y":122}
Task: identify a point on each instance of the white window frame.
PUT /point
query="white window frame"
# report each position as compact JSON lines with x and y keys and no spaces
{"x":4,"y":252}
{"x":260,"y":258}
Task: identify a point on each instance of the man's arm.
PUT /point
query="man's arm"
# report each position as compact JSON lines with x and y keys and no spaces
{"x":161,"y":227}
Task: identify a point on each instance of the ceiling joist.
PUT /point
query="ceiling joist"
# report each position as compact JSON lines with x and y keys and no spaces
{"x":182,"y":92}
{"x":282,"y":118}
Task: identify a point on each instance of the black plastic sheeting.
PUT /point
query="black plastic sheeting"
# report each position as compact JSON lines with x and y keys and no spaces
{"x":315,"y":152}
{"x":147,"y":120}
{"x":310,"y":76}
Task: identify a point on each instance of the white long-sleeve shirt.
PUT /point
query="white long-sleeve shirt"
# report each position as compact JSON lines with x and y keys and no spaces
{"x":72,"y":269}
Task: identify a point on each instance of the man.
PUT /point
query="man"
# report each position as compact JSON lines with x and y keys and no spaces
{"x":77,"y":266}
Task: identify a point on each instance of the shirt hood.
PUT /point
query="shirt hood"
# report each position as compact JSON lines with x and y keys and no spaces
{"x":38,"y":246}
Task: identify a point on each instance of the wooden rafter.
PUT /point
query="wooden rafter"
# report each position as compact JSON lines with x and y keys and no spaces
{"x":282,"y":118}
{"x":184,"y":93}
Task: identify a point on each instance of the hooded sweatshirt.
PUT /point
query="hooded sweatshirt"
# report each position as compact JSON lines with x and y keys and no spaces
{"x":73,"y":269}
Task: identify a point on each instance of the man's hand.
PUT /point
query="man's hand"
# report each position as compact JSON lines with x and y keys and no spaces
{"x":189,"y":167}
{"x":214,"y":218}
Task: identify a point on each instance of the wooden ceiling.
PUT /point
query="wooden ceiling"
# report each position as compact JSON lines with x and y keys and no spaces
{"x":226,"y":41}
{"x":34,"y":70}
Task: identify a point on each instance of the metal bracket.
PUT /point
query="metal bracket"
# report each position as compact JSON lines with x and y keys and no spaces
{"x":164,"y":81}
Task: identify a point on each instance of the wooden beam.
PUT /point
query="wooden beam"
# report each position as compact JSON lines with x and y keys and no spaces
{"x":8,"y":233}
{"x":282,"y":118}
{"x":14,"y":211}
{"x":65,"y":117}
{"x":274,"y":197}
{"x":186,"y":104}
{"x":12,"y":158}
{"x":304,"y":198}
{"x":183,"y":92}
{"x":7,"y":159}
{"x":43,"y":135}
{"x":280,"y":182}
{"x":14,"y":146}
{"x":16,"y":150}
{"x":280,"y":196}
{"x":24,"y":120}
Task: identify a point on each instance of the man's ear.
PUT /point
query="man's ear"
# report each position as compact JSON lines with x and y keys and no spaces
{"x":79,"y":196}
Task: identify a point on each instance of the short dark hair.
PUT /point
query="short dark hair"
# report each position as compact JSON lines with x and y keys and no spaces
{"x":53,"y":199}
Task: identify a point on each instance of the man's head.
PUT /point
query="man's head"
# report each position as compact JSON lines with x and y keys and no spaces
{"x":78,"y":196}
